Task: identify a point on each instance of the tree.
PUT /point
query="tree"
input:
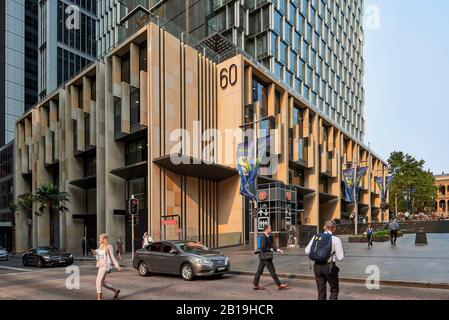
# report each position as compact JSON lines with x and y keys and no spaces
{"x":50,"y":197}
{"x":409,"y":174}
{"x":24,"y":205}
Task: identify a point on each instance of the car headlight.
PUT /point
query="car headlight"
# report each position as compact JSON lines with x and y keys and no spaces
{"x":71,"y":256}
{"x":204,"y":262}
{"x":226,"y":261}
{"x":46,"y":257}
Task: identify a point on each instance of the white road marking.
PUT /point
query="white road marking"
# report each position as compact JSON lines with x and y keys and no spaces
{"x":16,"y":269}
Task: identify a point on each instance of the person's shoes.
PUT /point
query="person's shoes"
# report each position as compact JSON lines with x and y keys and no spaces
{"x":283,"y":286}
{"x":258,"y":288}
{"x":117,"y":292}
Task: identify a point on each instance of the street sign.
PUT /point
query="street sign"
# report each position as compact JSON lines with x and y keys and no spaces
{"x":263,"y":218}
{"x":169,"y":222}
{"x":288,"y":218}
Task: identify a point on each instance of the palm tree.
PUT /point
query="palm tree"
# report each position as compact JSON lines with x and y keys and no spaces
{"x":50,"y":197}
{"x":24,"y":205}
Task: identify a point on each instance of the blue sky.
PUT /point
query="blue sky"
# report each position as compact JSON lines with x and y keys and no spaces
{"x":406,"y":80}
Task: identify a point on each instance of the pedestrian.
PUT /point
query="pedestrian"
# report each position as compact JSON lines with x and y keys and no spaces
{"x":266,"y":260}
{"x":119,"y":248}
{"x":105,"y":258}
{"x":83,"y":246}
{"x":324,"y":249}
{"x":292,"y":236}
{"x":369,"y":235}
{"x":352,"y":217}
{"x":393,"y":226}
{"x":146,"y":240}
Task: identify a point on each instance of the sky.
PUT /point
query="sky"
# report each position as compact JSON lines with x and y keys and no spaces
{"x":406,"y":79}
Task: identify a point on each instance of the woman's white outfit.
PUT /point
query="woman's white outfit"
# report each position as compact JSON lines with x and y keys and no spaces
{"x":105,"y":259}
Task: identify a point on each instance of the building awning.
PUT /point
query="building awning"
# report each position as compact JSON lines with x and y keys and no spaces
{"x":375,"y":209}
{"x":85,"y":183}
{"x":133,"y":171}
{"x":302,"y":191}
{"x":363,"y":206}
{"x":326,"y":197}
{"x":192,"y":167}
{"x":299,"y":164}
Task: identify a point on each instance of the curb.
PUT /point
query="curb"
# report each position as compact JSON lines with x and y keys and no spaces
{"x":394,"y":283}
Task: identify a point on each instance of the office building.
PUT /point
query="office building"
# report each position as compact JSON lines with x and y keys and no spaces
{"x":67,"y":40}
{"x":313,"y":46}
{"x":106,"y":136}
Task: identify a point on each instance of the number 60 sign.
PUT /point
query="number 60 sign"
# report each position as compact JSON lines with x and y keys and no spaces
{"x":228,"y":76}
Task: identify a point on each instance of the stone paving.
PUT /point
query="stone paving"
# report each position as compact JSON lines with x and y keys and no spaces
{"x":405,"y":262}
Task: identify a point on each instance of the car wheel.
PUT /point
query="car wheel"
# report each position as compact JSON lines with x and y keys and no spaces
{"x":187,"y":272}
{"x":68,"y":264}
{"x":39,"y":263}
{"x":143,"y":269}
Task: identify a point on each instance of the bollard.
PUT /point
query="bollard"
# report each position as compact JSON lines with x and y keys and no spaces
{"x":421,"y":238}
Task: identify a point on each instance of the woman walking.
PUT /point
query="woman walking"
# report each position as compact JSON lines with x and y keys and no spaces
{"x":105,"y":259}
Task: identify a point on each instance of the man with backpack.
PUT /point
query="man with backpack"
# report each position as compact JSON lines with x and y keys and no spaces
{"x":324,"y":249}
{"x":265,"y":252}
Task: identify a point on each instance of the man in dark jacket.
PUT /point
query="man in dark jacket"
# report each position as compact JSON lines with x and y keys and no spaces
{"x":266,"y":260}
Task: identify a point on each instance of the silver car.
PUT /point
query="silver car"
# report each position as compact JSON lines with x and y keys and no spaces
{"x":4,"y":255}
{"x":187,"y":259}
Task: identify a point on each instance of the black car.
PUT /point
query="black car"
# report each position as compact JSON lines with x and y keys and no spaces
{"x":46,"y":257}
{"x":184,"y":258}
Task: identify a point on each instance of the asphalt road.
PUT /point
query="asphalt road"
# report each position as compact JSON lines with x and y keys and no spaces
{"x":18,"y":282}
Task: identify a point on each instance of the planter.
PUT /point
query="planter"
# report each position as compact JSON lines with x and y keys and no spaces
{"x":376,"y":238}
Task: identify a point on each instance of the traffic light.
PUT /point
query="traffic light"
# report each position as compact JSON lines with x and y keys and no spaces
{"x":133,"y":206}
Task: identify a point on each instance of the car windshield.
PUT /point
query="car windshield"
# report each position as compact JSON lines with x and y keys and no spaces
{"x":46,"y":250}
{"x":192,"y":247}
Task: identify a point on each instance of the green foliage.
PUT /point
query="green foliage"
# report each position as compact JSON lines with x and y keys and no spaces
{"x":409,"y":173}
{"x":48,"y":196}
{"x":24,"y":205}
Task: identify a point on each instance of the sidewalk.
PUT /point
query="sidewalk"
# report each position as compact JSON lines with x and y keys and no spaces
{"x":405,"y":264}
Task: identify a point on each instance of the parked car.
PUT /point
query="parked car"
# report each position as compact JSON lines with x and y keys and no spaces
{"x":187,"y":259}
{"x":46,"y":257}
{"x":4,"y":255}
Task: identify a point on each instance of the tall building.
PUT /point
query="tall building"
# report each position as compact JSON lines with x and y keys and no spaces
{"x":313,"y":46}
{"x":18,"y":92}
{"x":106,"y":135}
{"x":67,"y":40}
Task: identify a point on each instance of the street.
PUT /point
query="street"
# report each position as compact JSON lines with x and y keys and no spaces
{"x":27,"y":283}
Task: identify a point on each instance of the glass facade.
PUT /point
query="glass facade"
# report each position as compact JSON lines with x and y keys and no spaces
{"x":313,"y":46}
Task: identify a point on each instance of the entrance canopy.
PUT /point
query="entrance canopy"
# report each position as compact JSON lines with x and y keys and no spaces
{"x":326,"y":197}
{"x":85,"y":183}
{"x":193,"y":167}
{"x":133,"y":171}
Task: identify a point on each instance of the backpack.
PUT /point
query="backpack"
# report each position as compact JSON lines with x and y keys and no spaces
{"x":321,"y":250}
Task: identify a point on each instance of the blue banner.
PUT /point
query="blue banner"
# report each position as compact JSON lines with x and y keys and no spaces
{"x":360,"y":174}
{"x":248,"y":167}
{"x":380,"y":183}
{"x":348,"y":181}
{"x":384,"y":189}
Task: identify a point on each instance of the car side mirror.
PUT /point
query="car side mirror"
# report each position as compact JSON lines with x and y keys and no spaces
{"x":174,"y":251}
